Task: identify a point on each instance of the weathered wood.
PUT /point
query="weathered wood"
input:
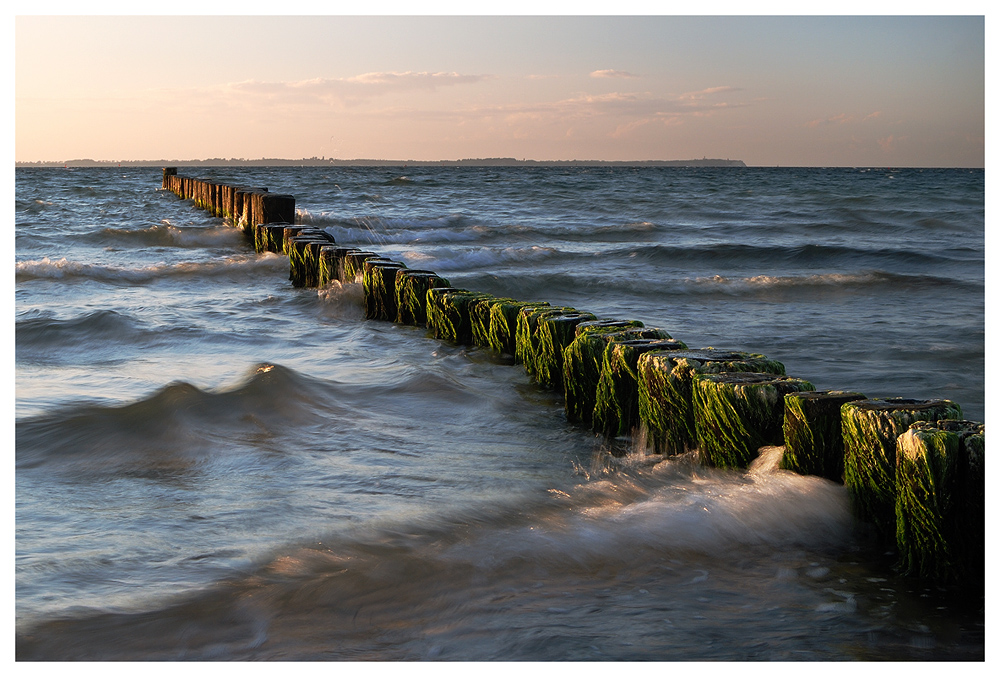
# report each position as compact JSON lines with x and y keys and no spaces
{"x":555,"y":333}
{"x":448,"y":313}
{"x":379,"y":285}
{"x":584,"y":357}
{"x":525,"y":336}
{"x":814,"y":443}
{"x":940,"y":506}
{"x":666,"y":405}
{"x":616,"y":405}
{"x":480,"y":312}
{"x":503,"y":323}
{"x":870,"y":429}
{"x":411,"y":294}
{"x":737,"y":413}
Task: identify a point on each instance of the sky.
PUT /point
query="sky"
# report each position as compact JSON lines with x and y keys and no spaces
{"x":768,"y":90}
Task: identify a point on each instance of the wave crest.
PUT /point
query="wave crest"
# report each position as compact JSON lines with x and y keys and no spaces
{"x":64,"y":269}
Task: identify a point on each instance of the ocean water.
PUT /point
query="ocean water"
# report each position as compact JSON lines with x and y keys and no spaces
{"x":213,"y":465}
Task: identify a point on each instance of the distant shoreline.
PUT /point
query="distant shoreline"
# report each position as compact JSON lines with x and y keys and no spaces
{"x":325,"y":162}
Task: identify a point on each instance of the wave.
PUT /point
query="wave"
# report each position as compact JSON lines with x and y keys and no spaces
{"x":809,"y":255}
{"x":446,"y":260}
{"x":171,"y":431}
{"x":604,"y":284}
{"x":866,"y":280}
{"x":167,"y":235}
{"x":42,"y":333}
{"x":634,"y":544}
{"x":229,"y":267}
{"x":460,"y":228}
{"x":179,"y":426}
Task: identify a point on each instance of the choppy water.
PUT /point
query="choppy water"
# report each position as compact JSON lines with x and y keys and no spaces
{"x":211,"y":464}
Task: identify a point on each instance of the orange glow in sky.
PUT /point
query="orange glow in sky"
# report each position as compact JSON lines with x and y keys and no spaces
{"x":811,"y":91}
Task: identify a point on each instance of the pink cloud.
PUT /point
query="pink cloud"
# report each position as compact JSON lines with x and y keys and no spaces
{"x":611,"y":73}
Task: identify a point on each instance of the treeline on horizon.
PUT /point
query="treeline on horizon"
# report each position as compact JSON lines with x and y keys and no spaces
{"x":331,"y":162}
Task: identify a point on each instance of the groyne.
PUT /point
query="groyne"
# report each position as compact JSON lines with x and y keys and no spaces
{"x":914,"y":469}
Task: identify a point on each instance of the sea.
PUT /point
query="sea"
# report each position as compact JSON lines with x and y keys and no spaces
{"x":214,"y":465}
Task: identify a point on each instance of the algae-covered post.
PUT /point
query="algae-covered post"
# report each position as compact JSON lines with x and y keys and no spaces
{"x":666,"y":408}
{"x":870,"y":430}
{"x":737,"y":413}
{"x":479,"y":319}
{"x":584,"y":357}
{"x":503,"y":324}
{"x":814,"y":443}
{"x":526,"y":337}
{"x":555,"y":332}
{"x":411,"y":294}
{"x":379,"y":285}
{"x":940,"y":492}
{"x":616,"y":404}
{"x":448,"y":313}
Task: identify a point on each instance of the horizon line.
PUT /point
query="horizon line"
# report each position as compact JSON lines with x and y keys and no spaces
{"x":489,"y":161}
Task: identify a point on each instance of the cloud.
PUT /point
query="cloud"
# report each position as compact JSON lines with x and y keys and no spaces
{"x":704,"y":93}
{"x":611,"y":73}
{"x":889,"y":143}
{"x":841,"y":118}
{"x":325,"y":92}
{"x":412,"y":80}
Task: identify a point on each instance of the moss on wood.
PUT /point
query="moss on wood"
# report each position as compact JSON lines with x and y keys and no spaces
{"x":448,"y":313}
{"x":379,"y":285}
{"x":525,"y":336}
{"x":303,"y":266}
{"x":353,"y":265}
{"x":503,"y":323}
{"x":555,"y":332}
{"x":270,"y":237}
{"x":480,"y":313}
{"x":939,"y":530}
{"x":737,"y":413}
{"x":583,"y":358}
{"x":411,"y":294}
{"x":330,"y":258}
{"x":926,"y":460}
{"x":666,"y":406}
{"x":616,"y":403}
{"x":814,"y":444}
{"x":608,"y":324}
{"x":870,"y":429}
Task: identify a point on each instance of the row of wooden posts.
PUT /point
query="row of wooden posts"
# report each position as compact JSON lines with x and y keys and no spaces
{"x":913,"y":468}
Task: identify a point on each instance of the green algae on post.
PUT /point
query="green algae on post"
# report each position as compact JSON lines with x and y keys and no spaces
{"x":814,"y":443}
{"x":525,"y":338}
{"x":940,"y":507}
{"x":303,"y":268}
{"x":584,"y":356}
{"x":379,"y":286}
{"x":411,"y":294}
{"x":870,"y":429}
{"x":737,"y":413}
{"x":555,"y":332}
{"x":666,"y":407}
{"x":448,"y":313}
{"x":503,"y":323}
{"x":330,"y":257}
{"x":608,"y":325}
{"x":480,"y":312}
{"x":353,"y":265}
{"x":616,"y":403}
